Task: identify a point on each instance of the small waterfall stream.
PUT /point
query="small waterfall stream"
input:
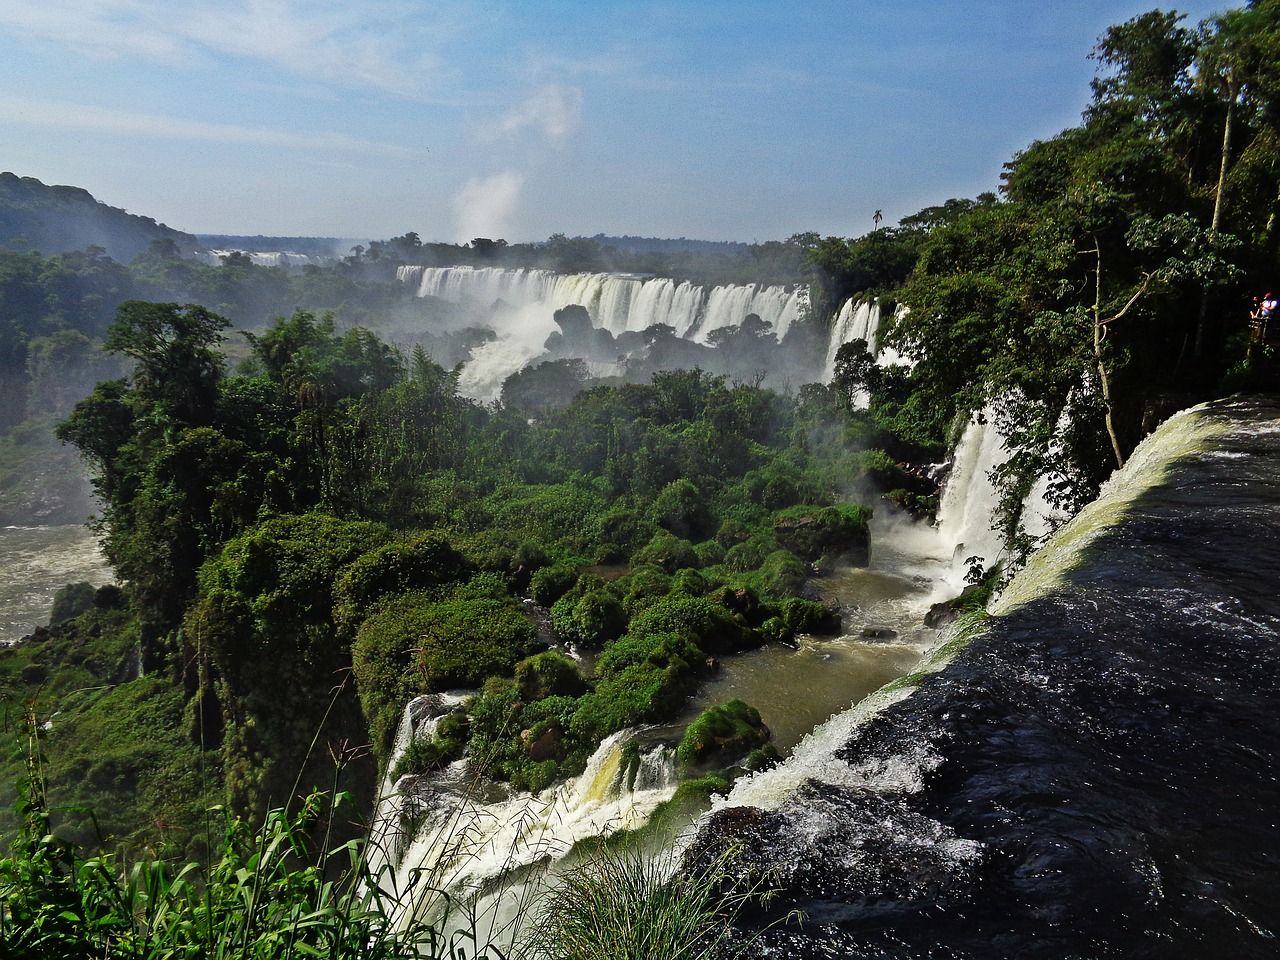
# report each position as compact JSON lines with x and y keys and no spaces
{"x":467,"y":835}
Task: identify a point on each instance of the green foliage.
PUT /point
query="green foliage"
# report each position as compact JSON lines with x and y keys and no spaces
{"x":660,"y":650}
{"x":807,"y":616}
{"x":781,"y":575}
{"x":709,"y":553}
{"x":266,"y":610}
{"x":420,"y":562}
{"x":266,"y":894}
{"x":589,"y":621}
{"x":690,"y":583}
{"x":71,"y":601}
{"x":526,"y":743}
{"x":548,"y":674}
{"x":706,"y":622}
{"x":641,"y":693}
{"x":667,"y":551}
{"x":428,"y":754}
{"x":645,"y":584}
{"x":551,"y":583}
{"x":816,"y":532}
{"x":629,"y":904}
{"x":681,"y":509}
{"x":724,"y":731}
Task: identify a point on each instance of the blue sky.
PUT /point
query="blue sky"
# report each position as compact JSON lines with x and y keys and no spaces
{"x":366,"y":118}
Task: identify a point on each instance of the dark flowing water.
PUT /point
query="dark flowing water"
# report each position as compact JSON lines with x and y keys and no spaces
{"x":1096,"y":775}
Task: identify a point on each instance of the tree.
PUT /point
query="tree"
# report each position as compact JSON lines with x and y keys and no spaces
{"x":176,"y":351}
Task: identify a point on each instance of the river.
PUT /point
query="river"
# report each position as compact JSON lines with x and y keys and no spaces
{"x":34,"y":563}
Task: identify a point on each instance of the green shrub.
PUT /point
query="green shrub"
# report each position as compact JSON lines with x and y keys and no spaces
{"x":482,"y":586}
{"x":690,"y":583}
{"x":463,"y":642}
{"x":71,"y":601}
{"x":709,"y":624}
{"x":421,"y":562}
{"x":661,"y":650}
{"x":681,"y":509}
{"x":709,"y":553}
{"x":591,"y":622}
{"x":725,"y":731}
{"x":523,"y":743}
{"x":645,"y":585}
{"x":781,"y":575}
{"x":732,"y":532}
{"x":383,"y":663}
{"x":745,"y":557}
{"x":668,"y":552}
{"x":551,"y":583}
{"x":548,"y":674}
{"x":414,"y":644}
{"x":621,"y":531}
{"x":806,"y":616}
{"x":641,"y":693}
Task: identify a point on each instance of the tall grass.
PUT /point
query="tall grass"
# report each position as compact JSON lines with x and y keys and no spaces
{"x":626,"y":905}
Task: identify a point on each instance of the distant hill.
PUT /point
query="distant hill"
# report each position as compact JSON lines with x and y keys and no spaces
{"x":54,"y":219}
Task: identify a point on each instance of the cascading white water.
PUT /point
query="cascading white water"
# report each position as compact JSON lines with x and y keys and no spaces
{"x":857,"y":320}
{"x":969,"y":498}
{"x":616,"y":303}
{"x":263,"y":258}
{"x":465,"y":843}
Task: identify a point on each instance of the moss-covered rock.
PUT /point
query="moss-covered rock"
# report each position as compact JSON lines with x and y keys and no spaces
{"x":723,"y":733}
{"x":814,"y":533}
{"x":548,"y":674}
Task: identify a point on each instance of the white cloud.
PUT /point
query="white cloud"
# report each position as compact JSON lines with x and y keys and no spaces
{"x":378,"y":44}
{"x":73,"y":116}
{"x":484,"y":206}
{"x":554,"y":110}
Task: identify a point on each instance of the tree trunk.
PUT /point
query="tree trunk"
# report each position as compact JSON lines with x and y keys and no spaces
{"x":1233,"y":91}
{"x":1104,"y":379}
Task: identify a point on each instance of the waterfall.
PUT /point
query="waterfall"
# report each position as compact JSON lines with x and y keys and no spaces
{"x":857,"y":320}
{"x":387,"y":833}
{"x":969,"y":498}
{"x":616,"y":303}
{"x":470,"y":833}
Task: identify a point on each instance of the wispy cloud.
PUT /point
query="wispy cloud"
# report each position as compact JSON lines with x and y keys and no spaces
{"x":485,"y":206}
{"x":375,"y":43}
{"x":72,"y":116}
{"x":554,"y":110}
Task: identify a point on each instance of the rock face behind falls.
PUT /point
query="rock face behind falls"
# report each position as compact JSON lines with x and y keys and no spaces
{"x":1096,"y":773}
